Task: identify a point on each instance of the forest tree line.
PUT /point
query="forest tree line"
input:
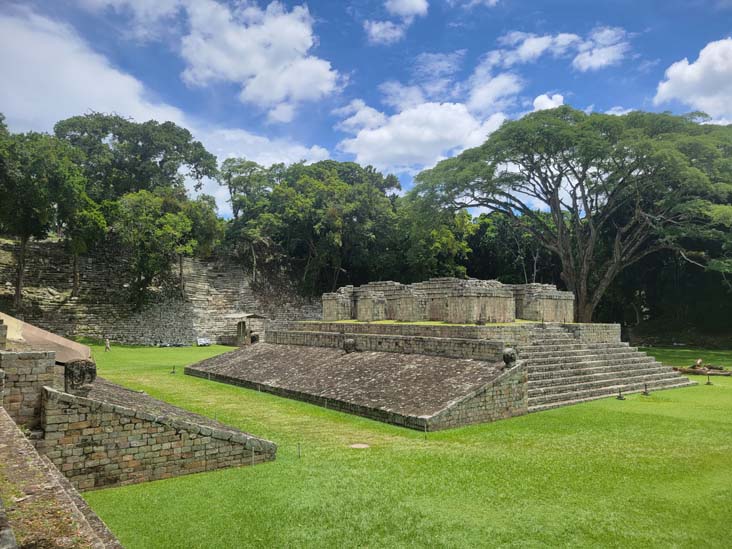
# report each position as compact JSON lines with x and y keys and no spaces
{"x":631,"y":213}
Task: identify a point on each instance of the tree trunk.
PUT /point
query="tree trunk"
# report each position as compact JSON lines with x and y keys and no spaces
{"x":254,"y":263}
{"x":20,"y":272}
{"x":76,"y":282}
{"x":583,"y":307}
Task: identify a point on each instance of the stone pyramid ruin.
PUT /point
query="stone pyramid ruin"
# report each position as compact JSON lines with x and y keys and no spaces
{"x":439,"y":354}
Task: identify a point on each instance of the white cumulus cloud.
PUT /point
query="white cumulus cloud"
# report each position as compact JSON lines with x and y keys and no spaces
{"x":492,"y":92}
{"x":705,"y":84}
{"x":407,"y":8}
{"x":51,"y":73}
{"x":468,"y":4}
{"x":602,"y":47}
{"x":149,"y":17}
{"x":605,"y":46}
{"x":401,"y":96}
{"x":266,"y":52}
{"x":384,"y":32}
{"x":546,"y":101}
{"x":359,"y":116}
{"x":420,"y":136}
{"x":618,"y":110}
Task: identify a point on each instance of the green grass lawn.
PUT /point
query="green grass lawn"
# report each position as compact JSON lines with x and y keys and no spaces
{"x":645,"y":472}
{"x":685,"y":356}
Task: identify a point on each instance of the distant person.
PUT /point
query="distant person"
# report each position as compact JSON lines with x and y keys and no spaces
{"x":107,"y":346}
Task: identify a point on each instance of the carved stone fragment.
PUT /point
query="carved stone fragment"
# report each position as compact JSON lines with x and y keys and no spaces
{"x":349,"y":345}
{"x":78,"y":376}
{"x":509,"y":357}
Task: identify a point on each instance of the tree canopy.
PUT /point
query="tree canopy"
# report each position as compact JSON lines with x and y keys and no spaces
{"x":41,"y":187}
{"x":122,"y":156}
{"x":615,"y":189}
{"x":632,"y":213}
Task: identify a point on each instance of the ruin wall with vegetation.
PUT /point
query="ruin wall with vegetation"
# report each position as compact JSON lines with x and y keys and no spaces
{"x":212,"y":293}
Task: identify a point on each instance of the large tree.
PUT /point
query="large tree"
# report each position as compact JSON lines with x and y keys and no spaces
{"x":615,"y":188}
{"x":122,"y":156}
{"x":332,"y":222}
{"x":85,"y":225}
{"x":153,"y":237}
{"x":40,"y":186}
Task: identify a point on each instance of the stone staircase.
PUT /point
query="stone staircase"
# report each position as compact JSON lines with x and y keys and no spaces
{"x":563,"y":370}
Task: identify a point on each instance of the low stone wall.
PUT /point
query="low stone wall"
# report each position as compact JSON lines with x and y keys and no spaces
{"x":96,"y":444}
{"x":3,"y":335}
{"x":513,"y":334}
{"x":478,"y":349}
{"x":505,"y":397}
{"x":594,"y":333}
{"x":25,"y":375}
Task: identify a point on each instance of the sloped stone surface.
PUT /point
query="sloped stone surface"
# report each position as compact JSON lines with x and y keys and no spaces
{"x":409,"y":385}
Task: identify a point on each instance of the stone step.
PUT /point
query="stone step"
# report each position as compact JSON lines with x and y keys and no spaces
{"x":558,"y":336}
{"x":630,"y":378}
{"x":564,"y":377}
{"x":606,"y":390}
{"x":622,"y":363}
{"x":592,"y":369}
{"x":564,"y":349}
{"x":570,"y":359}
{"x":535,"y":407}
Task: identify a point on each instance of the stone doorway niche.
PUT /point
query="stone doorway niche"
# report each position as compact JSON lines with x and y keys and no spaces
{"x":249,"y":328}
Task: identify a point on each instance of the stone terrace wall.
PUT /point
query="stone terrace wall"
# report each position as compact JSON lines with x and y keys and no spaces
{"x":543,"y":302}
{"x":3,"y":335}
{"x":505,"y":397}
{"x":96,"y":444}
{"x":594,"y":333}
{"x":513,"y":334}
{"x":435,"y":346}
{"x":25,"y":375}
{"x":213,"y":292}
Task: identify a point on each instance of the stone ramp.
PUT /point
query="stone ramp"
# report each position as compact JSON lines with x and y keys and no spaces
{"x":23,"y":336}
{"x":43,"y":511}
{"x":563,"y":370}
{"x":412,"y":390}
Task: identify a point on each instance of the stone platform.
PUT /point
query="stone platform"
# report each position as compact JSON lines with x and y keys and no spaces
{"x":419,"y":391}
{"x":420,"y":374}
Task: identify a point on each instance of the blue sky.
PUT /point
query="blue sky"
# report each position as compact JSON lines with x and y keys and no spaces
{"x":398,"y":84}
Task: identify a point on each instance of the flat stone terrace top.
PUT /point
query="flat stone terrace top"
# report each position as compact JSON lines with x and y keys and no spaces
{"x":408,"y":385}
{"x":116,"y":395}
